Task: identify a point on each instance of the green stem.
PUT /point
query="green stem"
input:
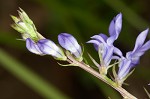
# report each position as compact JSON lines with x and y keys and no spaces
{"x":123,"y":92}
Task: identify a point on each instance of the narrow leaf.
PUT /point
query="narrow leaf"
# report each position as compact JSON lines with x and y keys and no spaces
{"x":93,"y":60}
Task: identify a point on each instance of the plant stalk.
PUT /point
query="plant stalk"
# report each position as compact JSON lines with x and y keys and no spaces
{"x":122,"y":91}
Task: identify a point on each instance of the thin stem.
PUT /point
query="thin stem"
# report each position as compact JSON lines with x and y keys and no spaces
{"x":123,"y":92}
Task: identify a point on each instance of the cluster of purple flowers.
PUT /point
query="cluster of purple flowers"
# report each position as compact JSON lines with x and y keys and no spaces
{"x":109,"y":51}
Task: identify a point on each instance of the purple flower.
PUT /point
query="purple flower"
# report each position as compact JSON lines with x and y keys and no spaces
{"x":45,"y":47}
{"x":106,"y":43}
{"x":139,"y":48}
{"x":133,"y":57}
{"x":68,"y":42}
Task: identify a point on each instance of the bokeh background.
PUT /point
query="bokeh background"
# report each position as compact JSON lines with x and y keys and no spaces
{"x":24,"y":75}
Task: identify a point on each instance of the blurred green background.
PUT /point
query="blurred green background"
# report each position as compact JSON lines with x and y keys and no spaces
{"x":24,"y":75}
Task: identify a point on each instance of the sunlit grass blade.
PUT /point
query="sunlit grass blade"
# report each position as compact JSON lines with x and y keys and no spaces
{"x":148,"y":94}
{"x":31,"y":79}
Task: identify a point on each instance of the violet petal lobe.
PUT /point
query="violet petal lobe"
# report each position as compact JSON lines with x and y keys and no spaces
{"x":103,"y":36}
{"x":146,"y":46}
{"x":68,"y":42}
{"x":104,"y":50}
{"x":140,"y":40}
{"x":99,"y":38}
{"x":117,"y":52}
{"x":32,"y":47}
{"x":111,"y":40}
{"x":107,"y":58}
{"x":115,"y":26}
{"x":95,"y":42}
{"x":140,"y":51}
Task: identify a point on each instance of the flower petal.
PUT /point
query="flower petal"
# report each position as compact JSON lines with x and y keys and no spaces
{"x":103,"y":50}
{"x":111,"y":40}
{"x":32,"y":47}
{"x":116,"y":57}
{"x":129,"y":55}
{"x":135,"y":61}
{"x":115,"y":26}
{"x":146,"y":46}
{"x":134,"y":57}
{"x":95,"y":42}
{"x":140,"y":40}
{"x":108,"y":56}
{"x":99,"y":38}
{"x":103,"y":36}
{"x":117,"y":51}
{"x":124,"y":68}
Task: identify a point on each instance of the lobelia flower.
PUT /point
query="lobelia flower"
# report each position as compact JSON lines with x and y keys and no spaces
{"x":105,"y":44}
{"x":132,"y":57}
{"x":68,"y":42}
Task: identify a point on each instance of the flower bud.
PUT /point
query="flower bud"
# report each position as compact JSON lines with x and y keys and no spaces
{"x":68,"y":42}
{"x":24,"y":25}
{"x":33,"y":47}
{"x":50,"y":48}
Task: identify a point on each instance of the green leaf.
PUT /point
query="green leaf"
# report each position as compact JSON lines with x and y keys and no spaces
{"x":114,"y":71}
{"x":94,"y":61}
{"x":128,"y":75}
